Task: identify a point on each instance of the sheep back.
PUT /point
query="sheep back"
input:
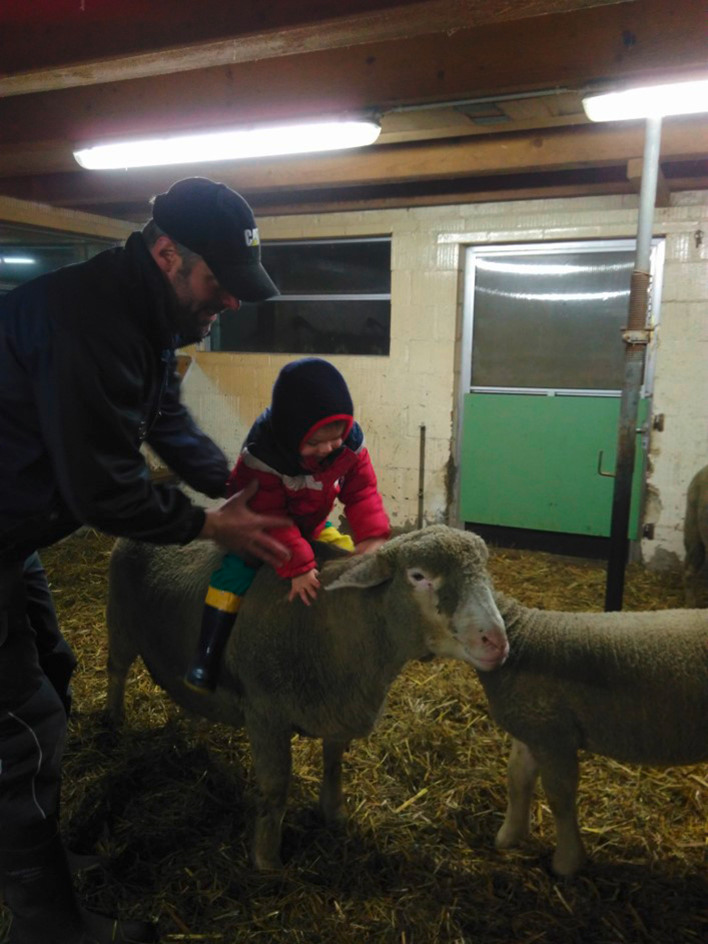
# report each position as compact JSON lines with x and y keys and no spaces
{"x":319,"y":669}
{"x":322,"y":669}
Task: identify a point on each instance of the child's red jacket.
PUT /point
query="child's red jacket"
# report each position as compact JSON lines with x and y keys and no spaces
{"x":286,"y":488}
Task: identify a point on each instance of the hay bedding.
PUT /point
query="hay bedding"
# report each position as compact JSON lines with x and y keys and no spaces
{"x":167,"y":804}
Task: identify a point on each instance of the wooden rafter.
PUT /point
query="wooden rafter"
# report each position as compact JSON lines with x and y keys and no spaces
{"x":393,"y":22}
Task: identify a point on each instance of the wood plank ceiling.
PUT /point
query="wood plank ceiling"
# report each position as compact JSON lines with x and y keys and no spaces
{"x":478,"y":99}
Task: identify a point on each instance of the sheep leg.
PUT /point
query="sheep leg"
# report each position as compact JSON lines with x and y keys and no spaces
{"x":331,"y":801}
{"x":695,"y":533}
{"x":559,"y":776}
{"x":121,"y":655}
{"x":272,"y":764}
{"x":521,"y":775}
{"x":693,"y":563}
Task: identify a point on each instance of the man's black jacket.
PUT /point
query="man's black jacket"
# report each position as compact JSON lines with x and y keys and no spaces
{"x":86,"y":374}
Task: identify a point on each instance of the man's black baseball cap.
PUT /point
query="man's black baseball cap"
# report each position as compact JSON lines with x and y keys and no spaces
{"x":216,"y":222}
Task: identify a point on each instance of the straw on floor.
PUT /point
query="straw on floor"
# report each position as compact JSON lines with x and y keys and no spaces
{"x":167,"y":805}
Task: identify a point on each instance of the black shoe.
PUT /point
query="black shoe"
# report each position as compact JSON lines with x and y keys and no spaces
{"x":83,"y":862}
{"x":105,"y":930}
{"x":202,"y":674}
{"x":198,"y":679}
{"x":39,"y":893}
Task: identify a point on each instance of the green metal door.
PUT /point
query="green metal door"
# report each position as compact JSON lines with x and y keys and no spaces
{"x":534,"y":462}
{"x":542,"y":370}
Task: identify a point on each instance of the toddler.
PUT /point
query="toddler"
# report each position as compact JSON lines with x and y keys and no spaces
{"x":305,"y":451}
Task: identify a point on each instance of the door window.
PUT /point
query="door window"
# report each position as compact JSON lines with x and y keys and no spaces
{"x":550,"y":318}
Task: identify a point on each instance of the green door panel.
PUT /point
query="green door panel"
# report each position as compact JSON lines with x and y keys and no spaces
{"x":532,"y":462}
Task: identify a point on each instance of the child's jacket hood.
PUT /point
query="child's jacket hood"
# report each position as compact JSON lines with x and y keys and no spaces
{"x":307,"y":394}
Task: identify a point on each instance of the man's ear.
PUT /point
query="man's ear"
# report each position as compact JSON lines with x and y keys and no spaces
{"x":165,"y":254}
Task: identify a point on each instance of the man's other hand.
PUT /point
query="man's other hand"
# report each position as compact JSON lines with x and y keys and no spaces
{"x":237,"y":528}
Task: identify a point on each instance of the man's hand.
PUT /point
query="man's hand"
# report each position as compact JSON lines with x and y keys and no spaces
{"x":243,"y":531}
{"x":304,"y":586}
{"x":369,"y":545}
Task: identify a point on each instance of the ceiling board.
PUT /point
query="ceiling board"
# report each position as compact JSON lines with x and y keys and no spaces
{"x":467,"y":91}
{"x":301,"y":28}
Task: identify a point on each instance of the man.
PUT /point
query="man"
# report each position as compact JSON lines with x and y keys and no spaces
{"x":86,"y":375}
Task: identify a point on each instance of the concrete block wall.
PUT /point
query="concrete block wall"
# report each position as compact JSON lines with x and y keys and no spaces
{"x":681,"y":382}
{"x":418,"y":383}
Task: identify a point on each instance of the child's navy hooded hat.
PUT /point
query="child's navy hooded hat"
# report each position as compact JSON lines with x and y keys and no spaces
{"x":308,"y":393}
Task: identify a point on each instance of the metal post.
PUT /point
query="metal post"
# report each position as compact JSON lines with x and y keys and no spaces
{"x":421,"y":476}
{"x":636,"y":337}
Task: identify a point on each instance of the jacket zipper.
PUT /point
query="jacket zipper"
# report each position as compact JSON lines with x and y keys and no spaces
{"x":154,"y":412}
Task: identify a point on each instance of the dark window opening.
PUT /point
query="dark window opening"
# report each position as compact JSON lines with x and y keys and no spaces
{"x":335,"y":299}
{"x":27,"y":252}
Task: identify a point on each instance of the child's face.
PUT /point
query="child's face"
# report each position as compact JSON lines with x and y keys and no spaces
{"x":325,"y":440}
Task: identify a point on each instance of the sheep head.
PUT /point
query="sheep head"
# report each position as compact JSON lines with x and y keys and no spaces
{"x":442,"y":573}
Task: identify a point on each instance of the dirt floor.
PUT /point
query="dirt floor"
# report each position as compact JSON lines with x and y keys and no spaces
{"x":167,"y":805}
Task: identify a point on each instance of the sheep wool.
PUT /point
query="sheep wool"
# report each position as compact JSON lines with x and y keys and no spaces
{"x":631,"y":686}
{"x":695,"y":540}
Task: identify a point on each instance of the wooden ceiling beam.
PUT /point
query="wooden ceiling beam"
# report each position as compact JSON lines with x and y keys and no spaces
{"x":29,"y":213}
{"x":587,"y":146}
{"x":265,"y":205}
{"x":394,"y":21}
{"x":631,"y":40}
{"x":635,"y":170}
{"x":342,"y":203}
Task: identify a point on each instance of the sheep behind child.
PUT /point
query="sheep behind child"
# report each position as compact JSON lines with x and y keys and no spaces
{"x":631,"y":686}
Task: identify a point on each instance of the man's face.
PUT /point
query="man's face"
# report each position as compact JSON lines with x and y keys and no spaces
{"x":198,"y":299}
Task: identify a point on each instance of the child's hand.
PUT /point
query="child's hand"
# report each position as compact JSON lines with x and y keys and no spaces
{"x":369,"y":545}
{"x":304,"y":586}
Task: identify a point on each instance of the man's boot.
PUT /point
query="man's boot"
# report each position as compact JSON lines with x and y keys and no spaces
{"x":202,"y":674}
{"x":38,"y":891}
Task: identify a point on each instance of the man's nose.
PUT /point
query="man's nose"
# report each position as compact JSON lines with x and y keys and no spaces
{"x":230,"y":301}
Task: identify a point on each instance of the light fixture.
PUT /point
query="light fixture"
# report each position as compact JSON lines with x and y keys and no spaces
{"x":266,"y":141}
{"x":651,"y":101}
{"x":17,"y":260}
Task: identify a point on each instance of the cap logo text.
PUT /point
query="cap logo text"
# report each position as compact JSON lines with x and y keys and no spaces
{"x":252,"y":237}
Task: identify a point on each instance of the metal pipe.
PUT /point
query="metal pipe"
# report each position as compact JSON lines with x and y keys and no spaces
{"x":421,"y":475}
{"x":482,"y":100}
{"x":636,"y":338}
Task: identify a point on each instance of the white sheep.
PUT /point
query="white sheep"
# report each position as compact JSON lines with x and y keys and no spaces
{"x":695,"y":539}
{"x":322,"y":670}
{"x":632,"y":686}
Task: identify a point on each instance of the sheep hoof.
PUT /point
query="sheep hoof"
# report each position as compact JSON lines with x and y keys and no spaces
{"x":267,"y":863}
{"x":265,"y":845}
{"x":111,"y":720}
{"x":335,"y":817}
{"x":566,"y":864}
{"x":509,"y":836}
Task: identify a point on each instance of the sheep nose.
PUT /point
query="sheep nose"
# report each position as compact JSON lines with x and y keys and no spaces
{"x":496,"y":639}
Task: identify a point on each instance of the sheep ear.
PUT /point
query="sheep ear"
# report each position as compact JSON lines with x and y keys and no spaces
{"x":369,"y":571}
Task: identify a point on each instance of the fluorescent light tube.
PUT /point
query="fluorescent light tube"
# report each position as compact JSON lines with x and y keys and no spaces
{"x":655,"y":101}
{"x":230,"y":145}
{"x":17,"y":260}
